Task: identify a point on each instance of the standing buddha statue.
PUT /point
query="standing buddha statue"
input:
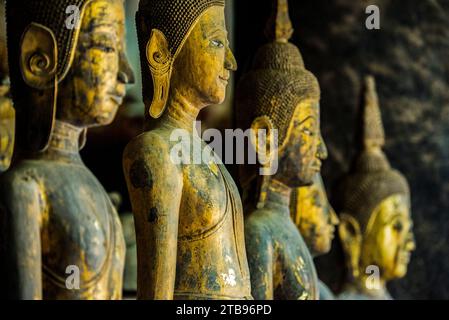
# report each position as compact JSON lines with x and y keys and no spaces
{"x":278,"y":95}
{"x":188,"y":215}
{"x":61,"y":236}
{"x":376,"y":226}
{"x":316,"y":220}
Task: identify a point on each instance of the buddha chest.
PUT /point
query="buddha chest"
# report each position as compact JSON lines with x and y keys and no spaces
{"x":80,"y":233}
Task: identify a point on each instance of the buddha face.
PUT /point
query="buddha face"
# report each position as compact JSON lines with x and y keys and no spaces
{"x":202,"y":69}
{"x":315,"y":217}
{"x":304,"y":150}
{"x":96,"y":84}
{"x":389,"y":239}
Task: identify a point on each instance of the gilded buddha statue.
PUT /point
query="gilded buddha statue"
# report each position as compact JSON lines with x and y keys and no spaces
{"x":316,"y":220}
{"x":61,"y":237}
{"x":279,"y":95}
{"x":376,"y":225}
{"x":188,"y":217}
{"x":6,"y":108}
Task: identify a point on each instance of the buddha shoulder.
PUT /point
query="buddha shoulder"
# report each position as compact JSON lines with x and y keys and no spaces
{"x":20,"y":183}
{"x":18,"y":177}
{"x":146,"y":160}
{"x":258,"y":222}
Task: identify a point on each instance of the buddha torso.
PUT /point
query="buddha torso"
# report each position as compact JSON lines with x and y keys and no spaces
{"x":211,"y":257}
{"x":281,"y":265}
{"x":78,"y":226}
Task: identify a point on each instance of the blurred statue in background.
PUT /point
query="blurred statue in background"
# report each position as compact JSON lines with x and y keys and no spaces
{"x":376,"y":225}
{"x":61,"y":237}
{"x":6,"y":109}
{"x":6,"y":112}
{"x":316,"y":220}
{"x":278,"y":95}
{"x":188,"y":217}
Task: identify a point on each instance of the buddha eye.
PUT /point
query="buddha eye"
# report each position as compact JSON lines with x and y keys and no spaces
{"x":398,"y":226}
{"x":308,"y":132}
{"x":108,"y":49}
{"x":217,"y":43}
{"x":104,"y":45}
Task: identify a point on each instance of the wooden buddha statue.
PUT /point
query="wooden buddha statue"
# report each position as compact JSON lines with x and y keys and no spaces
{"x":316,"y":220}
{"x":188,"y":215}
{"x":280,"y":97}
{"x":61,"y":235}
{"x":376,"y":225}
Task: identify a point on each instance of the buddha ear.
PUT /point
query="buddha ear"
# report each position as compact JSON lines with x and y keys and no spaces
{"x":38,"y":64}
{"x":160,"y":62}
{"x":349,"y":229}
{"x":39,"y":57}
{"x":263,"y":138}
{"x":351,"y":240}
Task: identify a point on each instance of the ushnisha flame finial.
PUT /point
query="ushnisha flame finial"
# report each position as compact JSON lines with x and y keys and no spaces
{"x":372,"y":130}
{"x":279,"y":27}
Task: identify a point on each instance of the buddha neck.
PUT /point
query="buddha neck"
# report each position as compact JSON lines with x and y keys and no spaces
{"x":64,"y":143}
{"x":180,"y":113}
{"x":278,"y":197}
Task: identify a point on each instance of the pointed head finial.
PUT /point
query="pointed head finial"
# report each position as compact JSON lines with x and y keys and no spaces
{"x":279,"y":27}
{"x":373,"y":130}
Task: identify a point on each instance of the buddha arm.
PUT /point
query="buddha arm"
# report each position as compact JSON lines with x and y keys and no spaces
{"x":261,"y":261}
{"x":155,"y":187}
{"x":20,"y":214}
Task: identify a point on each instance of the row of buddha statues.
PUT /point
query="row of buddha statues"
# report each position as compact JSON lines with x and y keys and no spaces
{"x":196,"y":235}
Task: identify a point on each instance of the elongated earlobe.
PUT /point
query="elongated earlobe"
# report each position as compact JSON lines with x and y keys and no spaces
{"x":38,"y":60}
{"x":351,"y":240}
{"x":160,"y":62}
{"x":261,"y":130}
{"x":38,"y":65}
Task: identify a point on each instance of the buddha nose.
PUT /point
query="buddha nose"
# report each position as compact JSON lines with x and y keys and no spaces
{"x":322,"y":152}
{"x":230,"y":62}
{"x":333,"y":218}
{"x":411,"y":244}
{"x":126,"y":73}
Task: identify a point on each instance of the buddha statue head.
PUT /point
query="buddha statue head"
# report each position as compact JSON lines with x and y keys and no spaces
{"x":314,"y":216}
{"x":67,"y":63}
{"x":280,"y":97}
{"x":185,"y":54}
{"x":376,"y":225}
